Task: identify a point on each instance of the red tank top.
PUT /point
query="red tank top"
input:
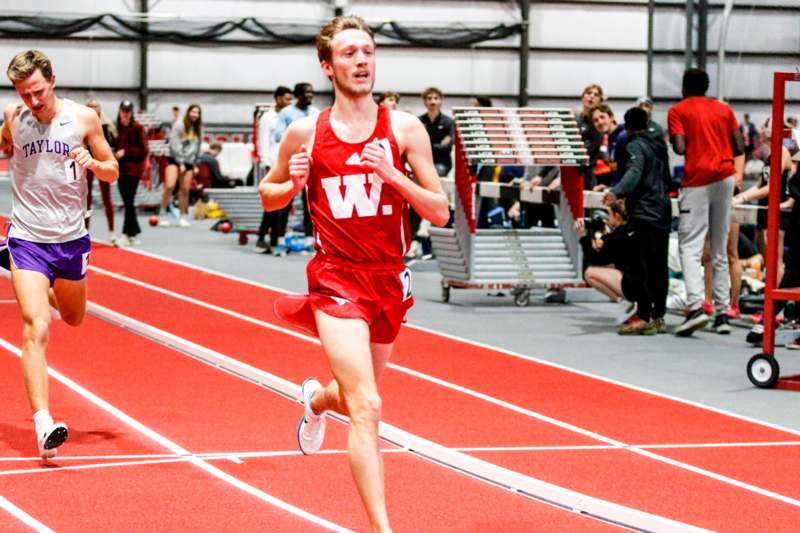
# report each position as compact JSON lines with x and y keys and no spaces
{"x":356,"y":216}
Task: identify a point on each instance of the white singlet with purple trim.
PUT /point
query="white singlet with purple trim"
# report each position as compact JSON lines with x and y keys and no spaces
{"x":48,"y":189}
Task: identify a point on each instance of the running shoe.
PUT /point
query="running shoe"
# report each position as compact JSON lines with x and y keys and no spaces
{"x":756,"y":335}
{"x":733,"y":312}
{"x":708,"y":308}
{"x":51,"y":438}
{"x":696,"y":319}
{"x":183,"y":222}
{"x":163,"y":222}
{"x":311,"y":431}
{"x":794,"y":345}
{"x":721,"y":325}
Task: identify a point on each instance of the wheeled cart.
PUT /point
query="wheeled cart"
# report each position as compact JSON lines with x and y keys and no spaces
{"x":517,"y":260}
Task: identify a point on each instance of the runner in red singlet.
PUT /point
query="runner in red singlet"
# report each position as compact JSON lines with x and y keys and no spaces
{"x":350,"y":159}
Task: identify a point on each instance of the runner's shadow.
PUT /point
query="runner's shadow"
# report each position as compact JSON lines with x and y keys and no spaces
{"x":19,"y":438}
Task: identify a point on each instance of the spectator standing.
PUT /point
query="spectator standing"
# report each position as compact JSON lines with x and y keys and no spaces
{"x":591,"y":96}
{"x":750,"y":136}
{"x":110,"y":134}
{"x":389,"y":99}
{"x":304,"y":95}
{"x":707,"y":133}
{"x":645,"y":186}
{"x":184,"y":149}
{"x":605,"y":166}
{"x":272,"y":222}
{"x":131,"y":153}
{"x":441,"y":130}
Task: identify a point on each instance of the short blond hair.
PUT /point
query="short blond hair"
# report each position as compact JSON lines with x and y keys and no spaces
{"x":337,"y":25}
{"x":24,"y":64}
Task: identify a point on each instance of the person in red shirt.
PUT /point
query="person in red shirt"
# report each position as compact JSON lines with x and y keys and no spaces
{"x":706,"y":132}
{"x":350,"y":159}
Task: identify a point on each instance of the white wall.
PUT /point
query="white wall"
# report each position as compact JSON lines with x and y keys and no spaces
{"x":556,"y":77}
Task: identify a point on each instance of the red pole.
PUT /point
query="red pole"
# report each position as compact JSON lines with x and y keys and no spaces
{"x":773,"y":209}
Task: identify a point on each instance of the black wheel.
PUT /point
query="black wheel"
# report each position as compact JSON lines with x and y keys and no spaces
{"x":445,"y":293}
{"x":763,"y":371}
{"x":522,"y":297}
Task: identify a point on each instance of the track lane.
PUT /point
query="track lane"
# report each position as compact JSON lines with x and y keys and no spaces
{"x":168,"y":497}
{"x":628,"y":414}
{"x":209,"y":411}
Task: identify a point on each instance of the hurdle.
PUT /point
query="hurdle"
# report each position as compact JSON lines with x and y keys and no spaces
{"x":516,"y":259}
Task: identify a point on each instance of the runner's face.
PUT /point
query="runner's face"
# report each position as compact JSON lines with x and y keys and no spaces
{"x":37,"y":93}
{"x":352,"y":62}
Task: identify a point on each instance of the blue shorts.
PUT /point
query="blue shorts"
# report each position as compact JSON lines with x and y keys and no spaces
{"x":65,"y":260}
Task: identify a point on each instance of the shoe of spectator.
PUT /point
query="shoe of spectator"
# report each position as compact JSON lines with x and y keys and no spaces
{"x":696,"y":319}
{"x":721,"y":324}
{"x":708,"y":308}
{"x":794,"y":345}
{"x":262,"y":247}
{"x":113,"y":239}
{"x":184,"y":222}
{"x":660,"y":325}
{"x":134,"y":241}
{"x":163,"y":222}
{"x":308,"y":250}
{"x":280,"y":250}
{"x":733,"y":311}
{"x":636,"y":326}
{"x":756,"y":335}
{"x":414,"y":250}
{"x":626,"y":310}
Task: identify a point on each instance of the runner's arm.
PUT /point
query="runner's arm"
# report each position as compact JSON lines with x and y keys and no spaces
{"x":99,"y":158}
{"x":427,"y":197}
{"x":292,"y":166}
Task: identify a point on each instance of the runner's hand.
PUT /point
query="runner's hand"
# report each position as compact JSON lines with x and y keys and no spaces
{"x":300,"y":167}
{"x":374,"y":158}
{"x":83,"y":157}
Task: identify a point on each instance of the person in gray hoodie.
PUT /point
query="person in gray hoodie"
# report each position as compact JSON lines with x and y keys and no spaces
{"x":184,"y":150}
{"x":644,"y":186}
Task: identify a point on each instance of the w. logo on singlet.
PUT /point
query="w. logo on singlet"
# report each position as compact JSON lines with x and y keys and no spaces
{"x":361,"y":192}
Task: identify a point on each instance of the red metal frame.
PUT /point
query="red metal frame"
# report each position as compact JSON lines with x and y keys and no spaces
{"x":771,"y":293}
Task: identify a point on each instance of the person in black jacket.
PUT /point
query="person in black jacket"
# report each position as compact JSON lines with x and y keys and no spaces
{"x":623,"y":280}
{"x":644,"y":186}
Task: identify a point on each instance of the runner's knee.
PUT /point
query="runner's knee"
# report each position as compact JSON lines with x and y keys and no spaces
{"x":37,"y":329}
{"x":364,"y":408}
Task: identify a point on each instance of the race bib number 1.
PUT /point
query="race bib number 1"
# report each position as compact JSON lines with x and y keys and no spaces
{"x":73,"y":170}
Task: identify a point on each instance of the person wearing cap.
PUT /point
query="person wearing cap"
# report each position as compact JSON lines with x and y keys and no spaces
{"x":131,"y":152}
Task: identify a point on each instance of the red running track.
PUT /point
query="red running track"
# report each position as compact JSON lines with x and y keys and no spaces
{"x":612,"y":411}
{"x":207,"y":411}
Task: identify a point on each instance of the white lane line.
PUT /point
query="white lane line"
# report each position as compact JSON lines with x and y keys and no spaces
{"x":465,"y":464}
{"x":159,"y":459}
{"x":231,"y":456}
{"x":23,"y":517}
{"x":120,"y":318}
{"x":175,"y":448}
{"x":524,"y":357}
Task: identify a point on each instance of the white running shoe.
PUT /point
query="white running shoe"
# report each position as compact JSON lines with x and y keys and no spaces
{"x":51,"y":438}
{"x":163,"y":222}
{"x":113,"y":239}
{"x":183,"y":222}
{"x":311,"y":431}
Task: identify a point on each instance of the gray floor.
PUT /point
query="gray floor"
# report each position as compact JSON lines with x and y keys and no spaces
{"x":707,"y":368}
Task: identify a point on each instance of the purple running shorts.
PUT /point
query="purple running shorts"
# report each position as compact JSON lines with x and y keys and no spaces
{"x":66,"y":260}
